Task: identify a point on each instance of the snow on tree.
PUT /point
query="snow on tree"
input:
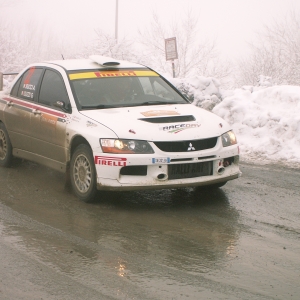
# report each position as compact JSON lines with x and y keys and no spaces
{"x":276,"y":54}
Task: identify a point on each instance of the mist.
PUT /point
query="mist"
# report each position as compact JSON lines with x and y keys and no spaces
{"x":56,"y":29}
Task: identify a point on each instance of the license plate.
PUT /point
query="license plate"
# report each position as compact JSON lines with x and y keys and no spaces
{"x":179,"y":171}
{"x":161,"y":160}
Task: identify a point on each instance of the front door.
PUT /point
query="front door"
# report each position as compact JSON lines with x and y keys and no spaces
{"x":49,"y":122}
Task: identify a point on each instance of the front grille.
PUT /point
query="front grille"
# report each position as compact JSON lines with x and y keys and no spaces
{"x":180,"y":171}
{"x":190,"y":159}
{"x":187,"y":146}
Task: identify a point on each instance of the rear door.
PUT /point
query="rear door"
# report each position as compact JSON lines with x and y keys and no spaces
{"x":21,"y":105}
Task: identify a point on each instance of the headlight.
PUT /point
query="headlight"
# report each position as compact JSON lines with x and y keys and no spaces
{"x":125,"y":146}
{"x":228,"y":139}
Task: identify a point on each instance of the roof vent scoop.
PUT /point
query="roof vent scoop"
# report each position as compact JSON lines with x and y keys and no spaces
{"x":104,"y":61}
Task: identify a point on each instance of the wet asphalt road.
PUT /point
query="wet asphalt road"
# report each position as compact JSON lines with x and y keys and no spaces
{"x":238,"y":242}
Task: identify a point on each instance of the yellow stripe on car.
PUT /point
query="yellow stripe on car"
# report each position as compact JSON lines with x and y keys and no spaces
{"x":107,"y":74}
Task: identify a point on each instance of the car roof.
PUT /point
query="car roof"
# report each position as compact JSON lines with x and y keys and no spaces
{"x":94,"y":62}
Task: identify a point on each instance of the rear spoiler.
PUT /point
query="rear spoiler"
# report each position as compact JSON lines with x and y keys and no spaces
{"x":1,"y":78}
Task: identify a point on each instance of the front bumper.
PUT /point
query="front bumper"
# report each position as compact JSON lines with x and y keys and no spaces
{"x":152,"y":171}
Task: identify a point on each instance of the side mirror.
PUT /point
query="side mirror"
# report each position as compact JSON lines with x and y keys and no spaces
{"x":62,"y":105}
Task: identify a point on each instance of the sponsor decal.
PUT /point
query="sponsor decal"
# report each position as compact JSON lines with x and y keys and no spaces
{"x":27,"y":86}
{"x":76,"y":119}
{"x":179,"y":127}
{"x":110,"y":161}
{"x":51,"y":120}
{"x":155,"y":113}
{"x":26,"y":106}
{"x":67,"y":120}
{"x":115,"y":74}
{"x":108,"y":74}
{"x":161,"y":160}
{"x":29,"y":75}
{"x":90,"y":124}
{"x":27,"y":94}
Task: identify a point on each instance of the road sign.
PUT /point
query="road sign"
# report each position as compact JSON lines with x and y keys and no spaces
{"x":171,"y":49}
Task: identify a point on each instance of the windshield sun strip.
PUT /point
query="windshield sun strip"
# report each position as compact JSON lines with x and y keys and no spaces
{"x":113,"y":73}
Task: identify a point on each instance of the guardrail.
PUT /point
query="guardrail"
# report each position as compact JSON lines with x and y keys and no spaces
{"x":1,"y":78}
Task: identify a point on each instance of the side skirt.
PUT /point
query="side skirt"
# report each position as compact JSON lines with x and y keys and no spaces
{"x":53,"y":164}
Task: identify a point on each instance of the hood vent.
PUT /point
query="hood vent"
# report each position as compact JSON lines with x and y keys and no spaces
{"x":169,"y":119}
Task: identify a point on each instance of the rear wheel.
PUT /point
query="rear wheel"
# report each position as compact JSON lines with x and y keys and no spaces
{"x":5,"y":147}
{"x":83,"y":173}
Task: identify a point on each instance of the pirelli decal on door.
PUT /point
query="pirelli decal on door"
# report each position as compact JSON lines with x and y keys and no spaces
{"x":110,"y":161}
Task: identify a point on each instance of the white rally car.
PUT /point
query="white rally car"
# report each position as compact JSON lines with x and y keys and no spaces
{"x":113,"y":125}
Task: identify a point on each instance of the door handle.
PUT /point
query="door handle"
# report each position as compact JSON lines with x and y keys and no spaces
{"x":36,"y":112}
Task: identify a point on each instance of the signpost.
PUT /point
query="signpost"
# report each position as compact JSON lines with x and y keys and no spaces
{"x":116,"y":21}
{"x":171,"y":51}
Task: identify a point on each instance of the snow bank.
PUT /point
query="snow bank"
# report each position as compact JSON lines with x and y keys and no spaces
{"x":266,"y":121}
{"x":266,"y":117}
{"x":201,"y":91}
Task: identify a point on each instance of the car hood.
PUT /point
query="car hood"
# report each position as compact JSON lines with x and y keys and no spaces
{"x":160,"y":122}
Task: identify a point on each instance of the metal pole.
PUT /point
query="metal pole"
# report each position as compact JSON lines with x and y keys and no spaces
{"x":116,"y":23}
{"x":173,"y":68}
{"x":1,"y":81}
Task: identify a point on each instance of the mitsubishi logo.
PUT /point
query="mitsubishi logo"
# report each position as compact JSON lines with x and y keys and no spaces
{"x":191,"y":148}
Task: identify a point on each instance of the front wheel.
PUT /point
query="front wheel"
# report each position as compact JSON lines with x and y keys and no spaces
{"x":83,"y":173}
{"x":5,"y":147}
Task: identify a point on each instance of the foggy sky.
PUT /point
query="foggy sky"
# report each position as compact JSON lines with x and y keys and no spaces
{"x":231,"y":23}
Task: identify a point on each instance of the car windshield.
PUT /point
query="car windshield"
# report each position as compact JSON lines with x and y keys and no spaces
{"x":122,"y":88}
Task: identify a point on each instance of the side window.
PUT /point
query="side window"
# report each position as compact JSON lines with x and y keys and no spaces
{"x":53,"y":89}
{"x":14,"y":90}
{"x":29,"y":82}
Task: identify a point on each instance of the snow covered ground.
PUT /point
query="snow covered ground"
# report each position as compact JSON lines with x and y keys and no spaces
{"x":265,"y":118}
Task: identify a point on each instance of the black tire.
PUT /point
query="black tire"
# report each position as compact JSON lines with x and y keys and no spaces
{"x":5,"y":148}
{"x":83,"y":173}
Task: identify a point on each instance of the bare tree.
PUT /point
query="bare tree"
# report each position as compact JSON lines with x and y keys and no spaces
{"x":194,"y":58}
{"x":276,"y":54}
{"x":11,"y":49}
{"x":106,"y":45}
{"x":32,"y":44}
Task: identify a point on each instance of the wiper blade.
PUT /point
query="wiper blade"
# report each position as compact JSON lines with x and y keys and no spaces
{"x":100,"y":106}
{"x":157,"y":103}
